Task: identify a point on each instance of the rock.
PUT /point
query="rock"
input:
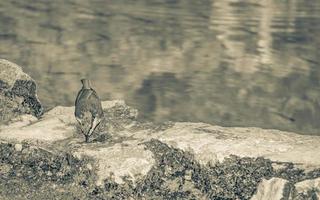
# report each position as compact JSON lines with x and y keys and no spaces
{"x":16,"y":85}
{"x":214,"y":143}
{"x":48,"y":129}
{"x":18,"y":147}
{"x":308,"y":189}
{"x":130,"y":160}
{"x":119,"y":110}
{"x":4,"y":168}
{"x":89,"y":166}
{"x":196,"y":158}
{"x":49,"y":173}
{"x":275,"y":189}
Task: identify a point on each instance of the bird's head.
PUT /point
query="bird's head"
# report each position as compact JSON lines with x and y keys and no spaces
{"x":85,"y":83}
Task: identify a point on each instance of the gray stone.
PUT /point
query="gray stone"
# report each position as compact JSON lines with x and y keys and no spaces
{"x":18,"y":147}
{"x":4,"y":168}
{"x":14,"y":83}
{"x":275,"y":189}
{"x":307,"y":189}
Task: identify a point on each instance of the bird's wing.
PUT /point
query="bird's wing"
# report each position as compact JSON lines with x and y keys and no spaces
{"x":97,"y":107}
{"x":78,"y":96}
{"x":81,"y":101}
{"x":83,"y":95}
{"x":86,"y":94}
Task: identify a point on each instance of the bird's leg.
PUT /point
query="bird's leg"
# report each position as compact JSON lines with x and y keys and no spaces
{"x":94,"y":124}
{"x":87,"y":138}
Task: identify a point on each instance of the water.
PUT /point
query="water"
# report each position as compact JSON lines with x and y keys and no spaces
{"x":225,"y":62}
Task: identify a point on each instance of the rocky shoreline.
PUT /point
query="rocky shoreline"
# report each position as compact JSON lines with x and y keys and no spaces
{"x":43,"y":157}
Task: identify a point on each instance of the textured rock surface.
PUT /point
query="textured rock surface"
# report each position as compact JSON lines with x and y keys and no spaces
{"x":274,"y":189}
{"x":171,"y":160}
{"x":308,"y":189}
{"x":14,"y":83}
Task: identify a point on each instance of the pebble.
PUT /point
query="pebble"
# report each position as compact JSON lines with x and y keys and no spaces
{"x":18,"y":147}
{"x":89,"y":166}
{"x":49,"y":173}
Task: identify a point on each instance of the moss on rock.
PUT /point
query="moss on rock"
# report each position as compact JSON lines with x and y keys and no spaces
{"x":29,"y":172}
{"x":235,"y":178}
{"x":10,"y":108}
{"x":177,"y":175}
{"x":17,"y":86}
{"x":36,"y":173}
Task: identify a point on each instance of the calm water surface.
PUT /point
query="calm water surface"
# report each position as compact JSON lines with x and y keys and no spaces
{"x":225,"y":62}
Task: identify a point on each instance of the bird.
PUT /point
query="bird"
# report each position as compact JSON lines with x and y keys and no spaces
{"x":88,"y":109}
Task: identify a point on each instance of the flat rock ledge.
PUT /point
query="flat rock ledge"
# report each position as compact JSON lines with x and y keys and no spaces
{"x":46,"y":159}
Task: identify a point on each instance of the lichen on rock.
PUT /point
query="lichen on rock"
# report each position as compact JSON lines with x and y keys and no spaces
{"x":307,"y":189}
{"x":19,"y":89}
{"x":18,"y":92}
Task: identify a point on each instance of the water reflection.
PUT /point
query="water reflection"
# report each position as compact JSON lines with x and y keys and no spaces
{"x":226,"y":62}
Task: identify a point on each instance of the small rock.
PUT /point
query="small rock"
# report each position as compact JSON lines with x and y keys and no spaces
{"x":18,"y":147}
{"x":5,"y":168}
{"x":275,"y":189}
{"x":188,"y":175}
{"x":133,"y":114}
{"x":89,"y":166}
{"x":60,"y":174}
